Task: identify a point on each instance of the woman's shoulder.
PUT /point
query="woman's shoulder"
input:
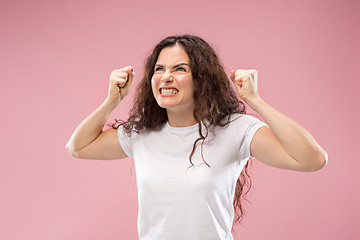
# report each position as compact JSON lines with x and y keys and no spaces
{"x":240,"y":118}
{"x":239,"y":122}
{"x":131,"y":130}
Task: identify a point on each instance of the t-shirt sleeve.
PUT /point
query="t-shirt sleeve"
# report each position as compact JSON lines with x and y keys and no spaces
{"x":251,"y":125}
{"x":125,"y":141}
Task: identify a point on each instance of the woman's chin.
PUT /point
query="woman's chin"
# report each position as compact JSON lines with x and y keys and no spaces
{"x":166,"y":104}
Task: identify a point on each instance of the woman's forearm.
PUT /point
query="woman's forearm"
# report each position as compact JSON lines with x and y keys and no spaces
{"x":295,"y":139}
{"x":91,"y":127}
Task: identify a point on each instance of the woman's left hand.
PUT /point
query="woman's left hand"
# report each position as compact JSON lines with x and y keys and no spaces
{"x":245,"y":82}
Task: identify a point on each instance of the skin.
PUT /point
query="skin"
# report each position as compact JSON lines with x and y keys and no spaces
{"x":172,"y":71}
{"x":286,"y":144}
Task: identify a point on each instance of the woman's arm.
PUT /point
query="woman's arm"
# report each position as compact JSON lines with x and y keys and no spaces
{"x":286,"y":144}
{"x":88,"y":140}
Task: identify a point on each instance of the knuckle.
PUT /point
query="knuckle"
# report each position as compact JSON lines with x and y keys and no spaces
{"x":122,"y":82}
{"x":122,"y":74}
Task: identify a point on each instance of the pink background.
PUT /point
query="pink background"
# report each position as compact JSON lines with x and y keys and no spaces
{"x":56,"y":58}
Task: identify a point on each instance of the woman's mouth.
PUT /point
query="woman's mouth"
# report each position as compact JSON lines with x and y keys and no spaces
{"x":168,"y":91}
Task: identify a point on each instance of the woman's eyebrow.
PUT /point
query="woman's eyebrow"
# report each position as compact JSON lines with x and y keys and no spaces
{"x":180,"y":64}
{"x":175,"y":66}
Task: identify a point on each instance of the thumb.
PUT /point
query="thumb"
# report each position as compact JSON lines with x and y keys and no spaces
{"x":129,"y":72}
{"x":129,"y":69}
{"x":232,"y":75}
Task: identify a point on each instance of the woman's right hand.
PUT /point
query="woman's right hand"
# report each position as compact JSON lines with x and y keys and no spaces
{"x":120,"y":83}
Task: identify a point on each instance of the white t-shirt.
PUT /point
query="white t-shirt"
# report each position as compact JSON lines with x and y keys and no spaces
{"x":177,"y":202}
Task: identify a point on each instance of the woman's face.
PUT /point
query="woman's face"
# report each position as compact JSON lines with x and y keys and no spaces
{"x":172,"y":82}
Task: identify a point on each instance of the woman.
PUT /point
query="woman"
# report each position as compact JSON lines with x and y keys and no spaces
{"x":190,"y":139}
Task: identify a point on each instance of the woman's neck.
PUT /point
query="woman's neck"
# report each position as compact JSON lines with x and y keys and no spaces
{"x":180,"y":118}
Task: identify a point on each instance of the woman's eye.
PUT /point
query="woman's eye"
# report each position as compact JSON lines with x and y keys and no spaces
{"x":181,"y":69}
{"x":158,"y":69}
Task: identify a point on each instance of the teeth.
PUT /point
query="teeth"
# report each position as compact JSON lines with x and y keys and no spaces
{"x":168,"y":91}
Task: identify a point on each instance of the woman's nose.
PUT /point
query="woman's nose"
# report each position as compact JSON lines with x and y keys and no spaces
{"x":167,"y":77}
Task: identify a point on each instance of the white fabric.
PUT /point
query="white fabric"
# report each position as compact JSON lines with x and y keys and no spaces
{"x":176,"y":203}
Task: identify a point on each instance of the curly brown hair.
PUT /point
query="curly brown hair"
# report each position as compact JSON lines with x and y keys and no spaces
{"x":214,"y":100}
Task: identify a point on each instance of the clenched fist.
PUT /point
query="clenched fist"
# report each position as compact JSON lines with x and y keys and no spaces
{"x":245,"y":82}
{"x":120,"y":83}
